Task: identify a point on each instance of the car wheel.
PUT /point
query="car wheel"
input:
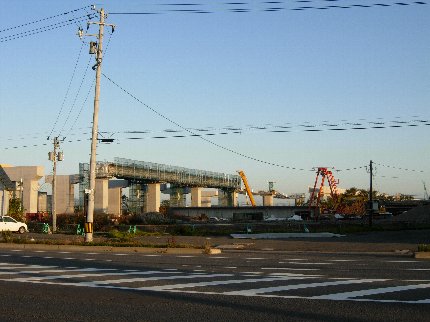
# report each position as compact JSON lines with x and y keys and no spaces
{"x":21,"y":230}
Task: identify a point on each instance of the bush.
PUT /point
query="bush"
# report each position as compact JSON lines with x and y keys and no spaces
{"x":424,"y":248}
{"x":6,"y":236}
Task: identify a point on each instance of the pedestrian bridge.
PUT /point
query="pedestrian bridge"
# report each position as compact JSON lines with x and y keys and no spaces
{"x":148,"y":172}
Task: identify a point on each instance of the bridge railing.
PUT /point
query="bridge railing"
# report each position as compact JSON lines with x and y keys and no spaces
{"x":156,"y":172}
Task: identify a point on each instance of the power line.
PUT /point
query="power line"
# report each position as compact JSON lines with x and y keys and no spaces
{"x":42,"y":29}
{"x":398,"y":168}
{"x":203,"y":138}
{"x":88,"y":93}
{"x":44,"y":19}
{"x":262,"y":6}
{"x":76,"y":96}
{"x":67,"y":91}
{"x":250,"y":128}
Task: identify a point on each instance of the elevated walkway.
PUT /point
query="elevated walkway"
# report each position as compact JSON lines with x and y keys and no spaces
{"x":148,"y":172}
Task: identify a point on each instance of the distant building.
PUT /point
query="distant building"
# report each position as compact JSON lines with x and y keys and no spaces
{"x":326,"y":192}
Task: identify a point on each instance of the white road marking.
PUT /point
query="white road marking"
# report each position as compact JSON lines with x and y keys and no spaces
{"x":402,"y":261}
{"x":106,"y":278}
{"x":255,"y":258}
{"x":301,"y":263}
{"x":63,"y":252}
{"x":155,"y":278}
{"x":342,"y":260}
{"x":218,"y":257}
{"x":254,"y":292}
{"x":40,"y":251}
{"x":383,"y":290}
{"x":121,"y":254}
{"x":215,"y":283}
{"x":151,"y":255}
{"x":291,"y":269}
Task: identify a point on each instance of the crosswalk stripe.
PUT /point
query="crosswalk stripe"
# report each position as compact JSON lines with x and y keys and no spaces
{"x":215,"y":283}
{"x":156,"y":278}
{"x":348,"y":295}
{"x":254,"y":292}
{"x":119,"y":279}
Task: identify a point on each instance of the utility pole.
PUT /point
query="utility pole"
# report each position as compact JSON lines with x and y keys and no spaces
{"x":54,"y":157}
{"x":96,"y":49}
{"x":371,"y":194}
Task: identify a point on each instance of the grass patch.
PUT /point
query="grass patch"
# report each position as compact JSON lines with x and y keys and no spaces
{"x":424,"y":248}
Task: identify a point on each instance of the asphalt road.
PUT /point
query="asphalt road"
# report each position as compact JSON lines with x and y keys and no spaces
{"x":48,"y":285}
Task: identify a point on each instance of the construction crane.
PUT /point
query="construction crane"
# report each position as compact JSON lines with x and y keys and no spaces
{"x":247,"y":188}
{"x":324,"y":173}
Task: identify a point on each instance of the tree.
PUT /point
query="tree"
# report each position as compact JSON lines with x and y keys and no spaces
{"x":16,"y":210}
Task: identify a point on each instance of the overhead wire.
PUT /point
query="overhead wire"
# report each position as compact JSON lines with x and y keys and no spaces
{"x":43,"y":29}
{"x":67,"y":91}
{"x":44,"y":19}
{"x":76,"y":97}
{"x":89,"y":91}
{"x":200,"y":137}
{"x":265,"y":6}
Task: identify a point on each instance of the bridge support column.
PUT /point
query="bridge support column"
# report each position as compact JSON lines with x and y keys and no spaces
{"x":101,"y":196}
{"x":136,"y":198}
{"x":152,"y":203}
{"x":177,"y":197}
{"x":268,"y":200}
{"x":196,"y":197}
{"x":227,"y":198}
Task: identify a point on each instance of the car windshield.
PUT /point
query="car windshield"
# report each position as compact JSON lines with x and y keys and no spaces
{"x":9,"y":219}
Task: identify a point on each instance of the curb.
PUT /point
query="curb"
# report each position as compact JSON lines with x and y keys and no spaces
{"x":215,"y":250}
{"x":283,"y":252}
{"x":422,"y":255}
{"x":106,"y":249}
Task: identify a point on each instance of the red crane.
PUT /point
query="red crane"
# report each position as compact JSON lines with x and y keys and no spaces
{"x":324,"y":173}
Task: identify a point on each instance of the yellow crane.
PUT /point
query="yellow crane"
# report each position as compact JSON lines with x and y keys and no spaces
{"x":247,"y":188}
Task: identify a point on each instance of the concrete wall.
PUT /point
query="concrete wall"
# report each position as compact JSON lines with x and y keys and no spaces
{"x":30,"y":176}
{"x":231,"y":212}
{"x":101,"y":196}
{"x":4,"y":201}
{"x":114,"y":204}
{"x":65,"y":193}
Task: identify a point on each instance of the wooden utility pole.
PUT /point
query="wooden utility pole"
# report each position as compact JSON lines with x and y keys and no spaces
{"x":54,"y":157}
{"x":371,"y":194}
{"x":97,"y":49}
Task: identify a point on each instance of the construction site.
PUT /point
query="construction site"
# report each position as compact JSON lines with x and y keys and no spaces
{"x":125,"y":187}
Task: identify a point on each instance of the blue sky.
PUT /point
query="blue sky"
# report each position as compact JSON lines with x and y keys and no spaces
{"x":229,"y":70}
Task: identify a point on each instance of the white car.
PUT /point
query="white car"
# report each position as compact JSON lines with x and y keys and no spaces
{"x":295,"y":218}
{"x":8,"y":223}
